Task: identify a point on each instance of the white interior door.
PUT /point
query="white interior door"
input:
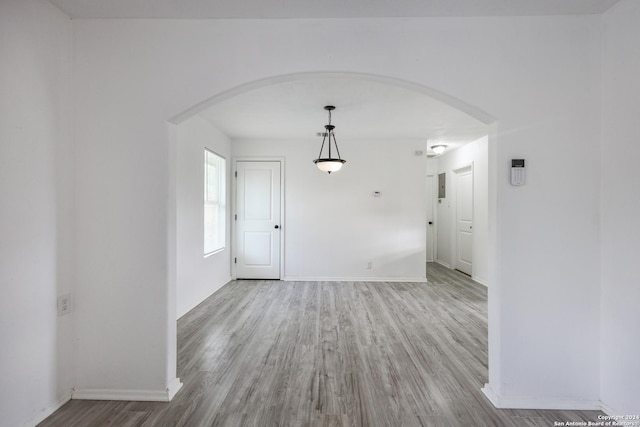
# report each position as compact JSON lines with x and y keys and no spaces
{"x":258,"y":223}
{"x":430,"y":219}
{"x":464,"y":220}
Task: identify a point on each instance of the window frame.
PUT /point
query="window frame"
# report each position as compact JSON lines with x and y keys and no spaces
{"x":218,"y":238}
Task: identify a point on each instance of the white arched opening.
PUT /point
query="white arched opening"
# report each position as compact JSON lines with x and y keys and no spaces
{"x":452,"y":102}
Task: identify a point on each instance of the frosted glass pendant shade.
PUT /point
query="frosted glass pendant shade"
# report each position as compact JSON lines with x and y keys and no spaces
{"x":329,"y":165}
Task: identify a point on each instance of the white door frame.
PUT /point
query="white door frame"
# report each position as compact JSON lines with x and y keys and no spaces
{"x":234,"y":189}
{"x":434,"y":214}
{"x":454,"y":212}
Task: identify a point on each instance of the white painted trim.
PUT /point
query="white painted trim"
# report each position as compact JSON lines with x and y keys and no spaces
{"x":355,"y":279}
{"x":537,"y":403}
{"x":453,"y":191}
{"x":228,"y":280}
{"x":490,"y":394}
{"x":442,"y":263}
{"x":434,"y":228}
{"x":482,"y":282}
{"x":129,"y":395}
{"x":609,"y":410}
{"x":48,"y":411}
{"x":173,"y":387}
{"x":474,"y":278}
{"x":234,"y":189}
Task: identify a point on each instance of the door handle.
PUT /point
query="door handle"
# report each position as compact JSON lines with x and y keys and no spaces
{"x":430,"y":222}
{"x":277,"y":226}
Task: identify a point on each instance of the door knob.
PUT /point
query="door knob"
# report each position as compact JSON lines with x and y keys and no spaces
{"x":430,"y":222}
{"x":277,"y":226}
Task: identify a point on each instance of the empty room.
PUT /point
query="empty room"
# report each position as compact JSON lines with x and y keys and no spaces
{"x":176,"y":252}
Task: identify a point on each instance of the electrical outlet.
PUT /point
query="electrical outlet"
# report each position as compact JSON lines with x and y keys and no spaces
{"x":64,"y":304}
{"x":369,"y":265}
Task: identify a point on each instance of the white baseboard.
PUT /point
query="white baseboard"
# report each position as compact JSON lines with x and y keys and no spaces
{"x":46,"y":412}
{"x":474,"y":278}
{"x":132,"y":395}
{"x":487,"y":390}
{"x":609,"y":410}
{"x":201,"y":299}
{"x":355,"y":279}
{"x":174,"y":386}
{"x":536,"y":403}
{"x":482,"y":282}
{"x":444,"y":264}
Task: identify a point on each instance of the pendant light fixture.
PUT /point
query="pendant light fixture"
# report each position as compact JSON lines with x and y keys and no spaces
{"x":438,"y":149}
{"x":329,"y":164}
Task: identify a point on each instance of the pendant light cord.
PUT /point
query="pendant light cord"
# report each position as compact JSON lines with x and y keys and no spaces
{"x":334,"y":139}
{"x":322,"y":146}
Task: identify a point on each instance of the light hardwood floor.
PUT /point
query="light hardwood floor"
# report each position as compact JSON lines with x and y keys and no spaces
{"x":269,"y":353}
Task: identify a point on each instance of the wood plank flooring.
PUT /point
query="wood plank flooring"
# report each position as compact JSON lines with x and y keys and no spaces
{"x":270,"y":353}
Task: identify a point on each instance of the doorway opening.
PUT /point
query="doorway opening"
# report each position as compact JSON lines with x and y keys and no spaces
{"x":463,"y":229}
{"x":366,"y":222}
{"x":258,"y":227}
{"x":461,"y":208}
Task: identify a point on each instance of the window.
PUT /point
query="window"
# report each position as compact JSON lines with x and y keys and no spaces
{"x":214,"y":202}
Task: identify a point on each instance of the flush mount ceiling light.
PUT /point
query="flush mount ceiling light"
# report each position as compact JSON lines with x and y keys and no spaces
{"x":329,"y":164}
{"x":438,"y":149}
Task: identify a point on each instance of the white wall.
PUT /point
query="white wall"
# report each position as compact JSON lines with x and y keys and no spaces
{"x":333,"y":225}
{"x":432,"y":172}
{"x":36,"y":186}
{"x":197,"y":276}
{"x":539,"y":76}
{"x":432,"y":167}
{"x":475,"y":153}
{"x":620,"y":206}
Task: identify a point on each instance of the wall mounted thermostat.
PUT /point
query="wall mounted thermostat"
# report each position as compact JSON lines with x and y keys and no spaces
{"x":517,"y":171}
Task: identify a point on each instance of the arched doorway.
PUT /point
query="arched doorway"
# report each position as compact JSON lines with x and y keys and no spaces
{"x":220,"y":105}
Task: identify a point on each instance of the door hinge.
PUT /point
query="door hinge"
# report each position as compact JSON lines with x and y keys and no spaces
{"x":236,"y":216}
{"x":236,"y":174}
{"x":235,"y":260}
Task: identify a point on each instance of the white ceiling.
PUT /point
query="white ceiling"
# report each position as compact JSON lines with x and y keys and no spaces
{"x":364,"y":109}
{"x":249,"y":9}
